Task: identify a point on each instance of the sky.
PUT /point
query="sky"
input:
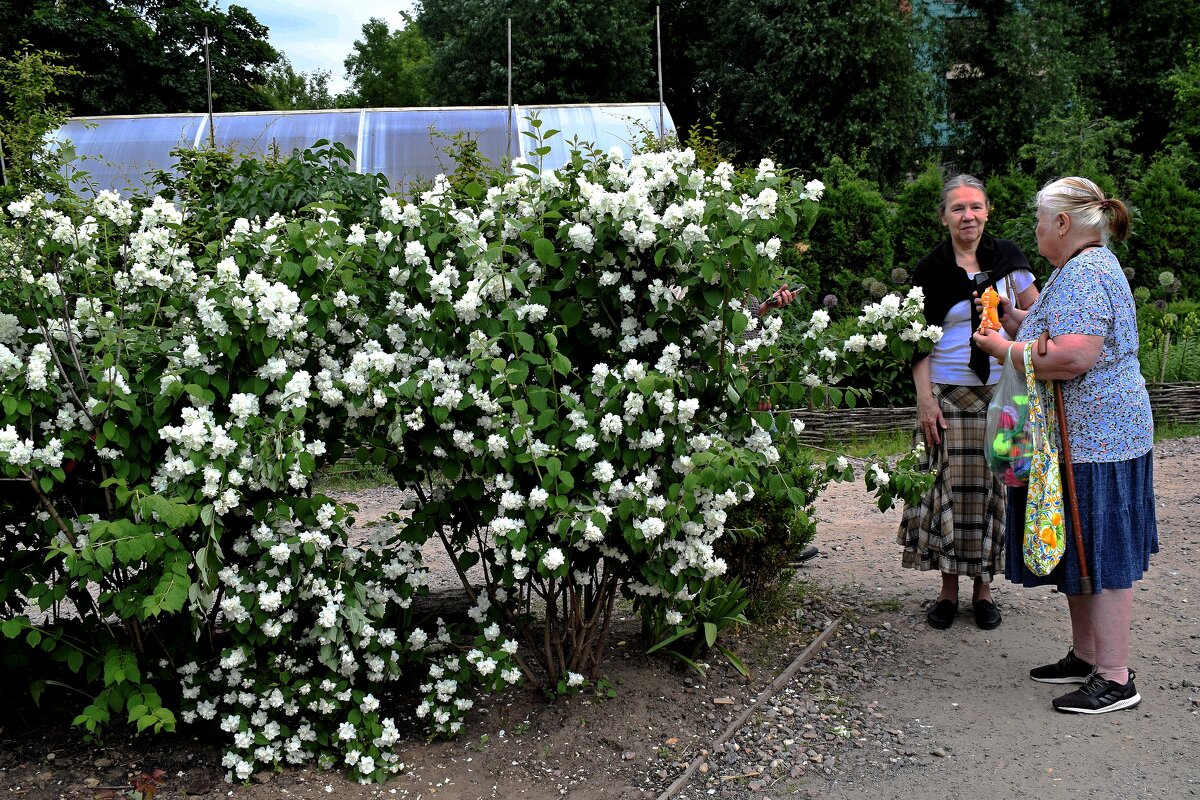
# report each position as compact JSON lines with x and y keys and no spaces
{"x":319,"y":34}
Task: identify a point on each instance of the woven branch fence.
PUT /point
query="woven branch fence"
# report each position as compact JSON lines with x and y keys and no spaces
{"x":1172,"y":402}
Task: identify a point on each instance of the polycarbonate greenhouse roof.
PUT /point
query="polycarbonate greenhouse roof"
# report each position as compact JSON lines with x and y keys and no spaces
{"x":120,"y":153}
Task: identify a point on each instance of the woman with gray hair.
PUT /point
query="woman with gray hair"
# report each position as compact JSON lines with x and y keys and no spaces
{"x":1087,"y":311}
{"x":958,"y":526}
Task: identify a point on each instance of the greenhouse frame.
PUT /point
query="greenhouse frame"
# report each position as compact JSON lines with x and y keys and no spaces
{"x":408,"y":145}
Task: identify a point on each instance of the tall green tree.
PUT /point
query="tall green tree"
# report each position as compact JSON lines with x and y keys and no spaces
{"x":285,"y":89}
{"x":1007,"y":66}
{"x":147,"y":56}
{"x":1184,"y":84}
{"x":1150,"y":40}
{"x":387,"y":68}
{"x":804,"y":80}
{"x":564,"y":51}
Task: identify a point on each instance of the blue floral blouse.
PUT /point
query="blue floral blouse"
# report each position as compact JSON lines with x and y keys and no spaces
{"x":1107,"y":407}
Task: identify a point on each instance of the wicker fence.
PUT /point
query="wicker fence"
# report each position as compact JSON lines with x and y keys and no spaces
{"x":1172,"y":402}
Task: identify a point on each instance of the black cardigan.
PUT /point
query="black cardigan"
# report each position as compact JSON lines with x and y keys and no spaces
{"x":945,"y":284}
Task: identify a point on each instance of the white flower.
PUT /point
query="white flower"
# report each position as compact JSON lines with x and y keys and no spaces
{"x":582,"y":237}
{"x":674,"y":617}
{"x":574,"y":679}
{"x":553,"y":559}
{"x":881,"y":476}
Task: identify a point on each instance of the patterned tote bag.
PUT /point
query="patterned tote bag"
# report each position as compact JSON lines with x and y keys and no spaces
{"x":1045,"y":531}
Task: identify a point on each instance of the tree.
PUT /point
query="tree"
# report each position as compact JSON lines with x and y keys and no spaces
{"x":1184,"y":83}
{"x":564,"y":51}
{"x":1007,"y":66}
{"x":803,"y":80}
{"x":1075,"y":141}
{"x":1150,"y":39}
{"x":145,"y":57}
{"x":387,"y":69}
{"x":285,"y":89}
{"x":30,"y":79}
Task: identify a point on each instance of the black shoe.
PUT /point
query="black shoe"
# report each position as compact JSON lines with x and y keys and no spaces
{"x":804,"y":554}
{"x":941,"y":614}
{"x":1069,"y":669}
{"x":987,"y":616}
{"x":1099,"y":696}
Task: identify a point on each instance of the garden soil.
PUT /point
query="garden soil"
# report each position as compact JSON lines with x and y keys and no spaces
{"x":886,"y":708}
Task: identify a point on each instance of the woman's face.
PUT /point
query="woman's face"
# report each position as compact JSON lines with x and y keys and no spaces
{"x":1046,"y":234}
{"x":965,"y":215}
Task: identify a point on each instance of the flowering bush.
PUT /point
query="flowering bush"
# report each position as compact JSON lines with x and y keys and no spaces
{"x":869,"y":356}
{"x":558,"y":365}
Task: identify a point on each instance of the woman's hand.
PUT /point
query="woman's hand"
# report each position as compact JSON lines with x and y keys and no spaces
{"x":992,"y":343}
{"x":929,"y":416}
{"x":782,"y":297}
{"x":929,"y":411}
{"x":1010,"y":316}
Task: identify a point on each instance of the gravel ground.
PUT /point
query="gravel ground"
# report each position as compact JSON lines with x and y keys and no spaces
{"x":893,"y":708}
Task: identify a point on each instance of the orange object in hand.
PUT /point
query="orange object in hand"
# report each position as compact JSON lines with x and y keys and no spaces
{"x":990,"y":302}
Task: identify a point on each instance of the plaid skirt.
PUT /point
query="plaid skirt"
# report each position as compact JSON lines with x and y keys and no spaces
{"x":958,"y":527}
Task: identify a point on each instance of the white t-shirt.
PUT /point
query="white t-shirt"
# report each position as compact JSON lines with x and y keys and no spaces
{"x":948,"y":363}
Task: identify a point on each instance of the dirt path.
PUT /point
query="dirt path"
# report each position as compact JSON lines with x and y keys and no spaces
{"x":976,"y":724}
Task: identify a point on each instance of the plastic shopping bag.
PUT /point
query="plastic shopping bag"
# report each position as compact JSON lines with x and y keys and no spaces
{"x":1045,"y":531}
{"x":1009,"y":438}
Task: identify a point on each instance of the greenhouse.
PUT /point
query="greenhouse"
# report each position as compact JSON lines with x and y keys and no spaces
{"x":407,"y":145}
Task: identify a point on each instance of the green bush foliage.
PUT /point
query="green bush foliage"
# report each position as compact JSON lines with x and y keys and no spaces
{"x":917,"y":229}
{"x":851,"y":241}
{"x":1164,"y":234}
{"x":553,"y":363}
{"x":1012,"y":215}
{"x":1170,"y":342}
{"x":767,"y":532}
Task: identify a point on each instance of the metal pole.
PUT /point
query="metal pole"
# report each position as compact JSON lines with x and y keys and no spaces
{"x":662,"y":134}
{"x":212,"y":133}
{"x":508,"y":148}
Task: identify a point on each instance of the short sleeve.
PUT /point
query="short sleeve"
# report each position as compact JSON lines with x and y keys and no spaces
{"x":1022,"y":280}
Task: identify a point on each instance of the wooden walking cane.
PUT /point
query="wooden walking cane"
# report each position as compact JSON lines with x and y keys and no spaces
{"x":1085,"y":578}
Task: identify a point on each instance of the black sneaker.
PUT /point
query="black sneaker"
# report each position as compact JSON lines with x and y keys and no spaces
{"x":1099,"y":695}
{"x":1071,"y":669}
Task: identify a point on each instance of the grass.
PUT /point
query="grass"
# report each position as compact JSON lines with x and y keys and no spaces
{"x":351,"y":476}
{"x":1175,"y":430}
{"x":895,"y":443}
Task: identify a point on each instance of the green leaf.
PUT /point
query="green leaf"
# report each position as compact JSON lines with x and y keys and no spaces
{"x":571,"y":314}
{"x":172,"y":512}
{"x":517,"y":371}
{"x":11,"y":628}
{"x":735,"y":661}
{"x":710,"y":633}
{"x":544,"y":250}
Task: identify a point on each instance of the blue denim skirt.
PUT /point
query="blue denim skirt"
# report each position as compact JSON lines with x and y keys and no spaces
{"x":1120,"y":530}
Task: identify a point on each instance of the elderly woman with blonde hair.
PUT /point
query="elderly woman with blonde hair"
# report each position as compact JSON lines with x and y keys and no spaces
{"x":1087,"y":311}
